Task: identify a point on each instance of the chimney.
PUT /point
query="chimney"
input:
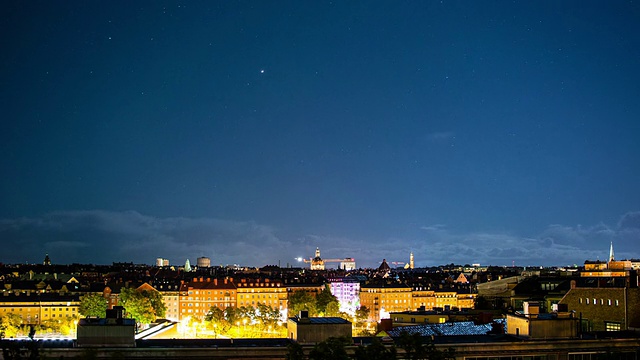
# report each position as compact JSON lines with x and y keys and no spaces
{"x":215,"y":281}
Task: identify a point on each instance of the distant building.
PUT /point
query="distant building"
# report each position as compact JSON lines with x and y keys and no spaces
{"x":304,"y":329}
{"x":348,"y":264}
{"x":317,"y":263}
{"x":347,"y":291}
{"x":160,"y":262}
{"x":204,"y":262}
{"x":187,"y":266}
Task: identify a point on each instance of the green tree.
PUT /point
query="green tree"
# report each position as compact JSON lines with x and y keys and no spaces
{"x":215,"y":317}
{"x":301,"y":300}
{"x":267,"y":316}
{"x":376,"y":351}
{"x":362,"y":314}
{"x":144,"y":306}
{"x":10,"y":324}
{"x":331,"y":349}
{"x":324,"y":299}
{"x":93,"y":304}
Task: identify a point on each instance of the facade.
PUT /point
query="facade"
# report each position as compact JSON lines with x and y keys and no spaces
{"x":251,"y":292}
{"x":198,"y":296}
{"x":605,"y":309}
{"x":36,"y":308}
{"x":543,"y":326}
{"x":347,"y":291}
{"x":444,"y":300}
{"x":381,"y":299}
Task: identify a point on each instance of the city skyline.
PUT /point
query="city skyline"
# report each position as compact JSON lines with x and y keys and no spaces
{"x":252,"y":133}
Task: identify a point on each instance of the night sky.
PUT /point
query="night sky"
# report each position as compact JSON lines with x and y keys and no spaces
{"x":252,"y":132}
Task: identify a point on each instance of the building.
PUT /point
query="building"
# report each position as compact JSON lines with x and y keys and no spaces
{"x":170,"y":291}
{"x":36,"y":308}
{"x":200,"y":294}
{"x":534,"y":325}
{"x":317,"y":263}
{"x":604,"y":309}
{"x":305,"y":329}
{"x":160,"y":262}
{"x":251,"y":292}
{"x":347,"y":291}
{"x":203,"y":262}
{"x":112,"y":331}
{"x":383,"y":298}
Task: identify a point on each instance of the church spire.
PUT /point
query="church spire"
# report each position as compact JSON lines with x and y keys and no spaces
{"x":611,"y":252}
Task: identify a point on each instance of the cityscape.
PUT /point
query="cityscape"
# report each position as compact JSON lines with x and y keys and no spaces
{"x":327,"y":179}
{"x":200,"y":302}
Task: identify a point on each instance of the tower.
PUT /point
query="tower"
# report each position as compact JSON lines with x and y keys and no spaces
{"x":611,"y":253}
{"x":187,"y":266}
{"x":411,"y":264}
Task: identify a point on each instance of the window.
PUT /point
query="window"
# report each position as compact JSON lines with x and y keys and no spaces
{"x":612,"y":326}
{"x":617,"y":303}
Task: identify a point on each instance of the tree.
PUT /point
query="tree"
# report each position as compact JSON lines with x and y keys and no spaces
{"x":10,"y":324}
{"x":331,"y":349}
{"x":416,"y":349}
{"x":362,"y":314}
{"x":267,"y":316}
{"x":376,"y":351}
{"x":144,"y":306}
{"x":93,"y":304}
{"x":324,"y":299}
{"x":294,"y":351}
{"x":301,"y":300}
{"x":216,"y":317}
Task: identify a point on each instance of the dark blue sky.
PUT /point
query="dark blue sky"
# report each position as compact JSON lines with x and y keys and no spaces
{"x":251,"y":132}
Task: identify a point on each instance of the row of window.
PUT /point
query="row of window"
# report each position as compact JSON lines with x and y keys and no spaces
{"x":73,"y":309}
{"x":594,"y":301}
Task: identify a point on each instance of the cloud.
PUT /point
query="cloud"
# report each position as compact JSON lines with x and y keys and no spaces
{"x":103,"y":237}
{"x":556,"y":245}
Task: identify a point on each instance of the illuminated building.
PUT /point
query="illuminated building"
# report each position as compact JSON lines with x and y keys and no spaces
{"x":251,"y":292}
{"x":317,"y":263}
{"x":199,"y":295}
{"x":382,"y":299}
{"x":36,"y":308}
{"x":347,"y":291}
{"x":160,"y":262}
